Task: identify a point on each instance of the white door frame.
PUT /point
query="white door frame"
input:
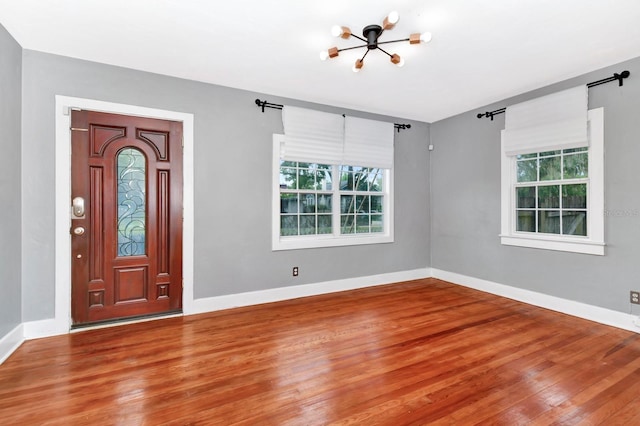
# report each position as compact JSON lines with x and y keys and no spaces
{"x":61,"y":324}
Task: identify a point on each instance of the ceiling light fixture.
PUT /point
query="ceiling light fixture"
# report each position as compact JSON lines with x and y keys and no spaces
{"x":372,"y":35}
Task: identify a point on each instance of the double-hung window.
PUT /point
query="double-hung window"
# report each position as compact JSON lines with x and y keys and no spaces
{"x":553,"y":197}
{"x":332,"y":188}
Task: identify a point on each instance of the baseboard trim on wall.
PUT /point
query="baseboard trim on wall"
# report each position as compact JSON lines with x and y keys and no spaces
{"x":44,"y":328}
{"x":10,"y":342}
{"x":293,"y":292}
{"x":577,"y":309}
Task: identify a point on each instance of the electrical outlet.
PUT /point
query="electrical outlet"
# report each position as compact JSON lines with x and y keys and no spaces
{"x":295,"y":271}
{"x":634,"y":297}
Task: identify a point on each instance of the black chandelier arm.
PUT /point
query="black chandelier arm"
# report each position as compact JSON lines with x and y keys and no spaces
{"x":264,"y":104}
{"x":365,"y":55}
{"x":351,"y":48}
{"x":358,"y":37}
{"x":394,"y":41}
{"x":385,"y":52}
{"x":615,"y":77}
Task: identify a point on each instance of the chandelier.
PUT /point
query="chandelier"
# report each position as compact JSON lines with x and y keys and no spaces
{"x":371,"y":36}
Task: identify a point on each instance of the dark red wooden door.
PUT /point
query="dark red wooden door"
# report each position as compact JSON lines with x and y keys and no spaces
{"x":126,"y":216}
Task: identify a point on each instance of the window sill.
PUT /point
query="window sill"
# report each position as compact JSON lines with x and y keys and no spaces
{"x":295,"y":243}
{"x":574,"y":246}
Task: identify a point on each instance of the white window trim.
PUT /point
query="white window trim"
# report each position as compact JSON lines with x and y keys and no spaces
{"x":594,"y":243}
{"x":329,"y":240}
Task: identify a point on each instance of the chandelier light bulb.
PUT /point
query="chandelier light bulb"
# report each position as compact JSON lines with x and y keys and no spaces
{"x":393,"y":17}
{"x":336,"y":31}
{"x":324,"y":55}
{"x":425,"y":37}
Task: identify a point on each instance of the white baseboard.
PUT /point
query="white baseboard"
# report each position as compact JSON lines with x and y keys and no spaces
{"x":565,"y":306}
{"x":44,"y":328}
{"x":284,"y":293}
{"x":10,"y":342}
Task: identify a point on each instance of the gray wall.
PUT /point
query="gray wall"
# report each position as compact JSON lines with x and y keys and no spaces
{"x":232,"y":183}
{"x":466,"y":202}
{"x":10,"y":239}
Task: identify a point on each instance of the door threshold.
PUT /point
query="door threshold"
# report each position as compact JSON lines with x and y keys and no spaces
{"x":124,"y":321}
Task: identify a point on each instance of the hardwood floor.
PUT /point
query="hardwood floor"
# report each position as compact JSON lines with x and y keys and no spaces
{"x":420,"y":352}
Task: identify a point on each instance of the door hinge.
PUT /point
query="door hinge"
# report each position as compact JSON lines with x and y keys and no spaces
{"x":80,"y":130}
{"x":183,"y":284}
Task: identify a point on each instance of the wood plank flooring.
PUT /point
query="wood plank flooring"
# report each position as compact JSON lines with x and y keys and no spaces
{"x":413,"y":353}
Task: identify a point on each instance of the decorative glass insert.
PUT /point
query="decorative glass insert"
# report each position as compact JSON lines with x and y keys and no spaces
{"x":551,"y":193}
{"x":131,"y":176}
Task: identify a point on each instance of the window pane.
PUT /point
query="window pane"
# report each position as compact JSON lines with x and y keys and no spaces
{"x":574,"y":196}
{"x":549,"y":196}
{"x":306,"y":179}
{"x":375,"y":180}
{"x":323,"y":178}
{"x":289,"y":225}
{"x":376,"y":204}
{"x":576,"y":166}
{"x":549,"y":153}
{"x":377,"y":225}
{"x":361,"y":180}
{"x":574,"y":222}
{"x":347,"y":203}
{"x":549,"y":221}
{"x":284,"y":163}
{"x":307,"y":225}
{"x":288,"y":203}
{"x":288,"y":178}
{"x":307,"y":203}
{"x":362,"y":203}
{"x":550,"y":168}
{"x":527,"y":171}
{"x":346,"y":225}
{"x":523,"y":156}
{"x":324,"y":203}
{"x":346,"y":180}
{"x":526,"y":197}
{"x":324,"y":224}
{"x":362,"y":223}
{"x":132,"y":176}
{"x":526,"y":221}
{"x":569,"y":151}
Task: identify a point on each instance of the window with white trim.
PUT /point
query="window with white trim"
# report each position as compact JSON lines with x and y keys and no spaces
{"x":325,"y":205}
{"x":554,"y":199}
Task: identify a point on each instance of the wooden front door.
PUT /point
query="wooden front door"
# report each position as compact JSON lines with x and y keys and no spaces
{"x":126,"y":216}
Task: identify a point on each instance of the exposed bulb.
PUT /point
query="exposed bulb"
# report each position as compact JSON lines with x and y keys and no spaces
{"x":336,"y":31}
{"x":355,"y":69}
{"x":324,"y":55}
{"x":393,"y":17}
{"x":425,"y":37}
{"x":401,"y":63}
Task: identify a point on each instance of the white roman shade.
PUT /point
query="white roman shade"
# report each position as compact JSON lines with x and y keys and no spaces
{"x":312,"y":136}
{"x":324,"y":138}
{"x":368,"y":143}
{"x":552,"y":122}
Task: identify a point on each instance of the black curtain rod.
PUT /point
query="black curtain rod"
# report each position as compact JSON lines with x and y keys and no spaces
{"x":265,"y":104}
{"x":614,"y":77}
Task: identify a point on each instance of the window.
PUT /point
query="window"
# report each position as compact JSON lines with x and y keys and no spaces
{"x":555,"y":199}
{"x":324,"y":205}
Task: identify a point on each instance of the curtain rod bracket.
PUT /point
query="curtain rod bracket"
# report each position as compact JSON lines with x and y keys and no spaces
{"x":616,"y":77}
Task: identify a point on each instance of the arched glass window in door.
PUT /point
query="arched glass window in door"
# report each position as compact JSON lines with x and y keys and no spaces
{"x":131,"y":178}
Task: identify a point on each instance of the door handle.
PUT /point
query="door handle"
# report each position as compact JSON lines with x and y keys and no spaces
{"x":77,"y":207}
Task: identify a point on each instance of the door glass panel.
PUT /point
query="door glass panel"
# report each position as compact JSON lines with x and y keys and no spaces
{"x":132,"y":212}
